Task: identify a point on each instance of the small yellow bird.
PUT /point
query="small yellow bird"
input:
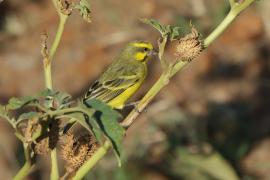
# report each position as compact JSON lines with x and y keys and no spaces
{"x":123,"y":77}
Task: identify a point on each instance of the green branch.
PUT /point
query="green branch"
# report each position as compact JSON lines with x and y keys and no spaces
{"x":54,"y":165}
{"x":232,"y":2}
{"x":236,"y":9}
{"x":220,"y":29}
{"x":69,"y":110}
{"x":47,"y":62}
{"x":162,"y":82}
{"x":60,"y":30}
{"x":26,"y":169}
{"x":48,"y":78}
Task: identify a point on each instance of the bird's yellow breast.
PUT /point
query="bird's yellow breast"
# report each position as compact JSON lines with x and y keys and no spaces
{"x":120,"y":100}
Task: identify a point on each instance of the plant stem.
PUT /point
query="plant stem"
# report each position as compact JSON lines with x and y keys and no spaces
{"x":47,"y":62}
{"x":236,"y":9}
{"x":54,"y":166}
{"x":94,"y":159}
{"x":162,"y":44}
{"x":60,"y":30}
{"x":47,"y":73}
{"x":232,"y":2}
{"x":67,"y":110}
{"x":24,"y":171}
{"x":161,"y":82}
{"x":48,"y":79}
{"x":220,"y":29}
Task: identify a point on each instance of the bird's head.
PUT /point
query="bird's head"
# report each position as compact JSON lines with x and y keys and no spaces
{"x":139,"y":50}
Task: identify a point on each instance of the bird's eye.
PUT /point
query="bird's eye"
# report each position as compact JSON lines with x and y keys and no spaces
{"x":145,"y":49}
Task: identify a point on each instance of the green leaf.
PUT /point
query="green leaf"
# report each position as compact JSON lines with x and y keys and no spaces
{"x":107,"y":119}
{"x":62,"y":99}
{"x":163,"y":29}
{"x":17,"y":103}
{"x":55,"y":99}
{"x":45,"y":93}
{"x":84,"y":9}
{"x":27,"y":115}
{"x":176,"y":32}
{"x":173,"y":32}
{"x":87,"y":122}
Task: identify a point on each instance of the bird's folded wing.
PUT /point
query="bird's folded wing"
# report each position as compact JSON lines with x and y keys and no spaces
{"x":108,"y":90}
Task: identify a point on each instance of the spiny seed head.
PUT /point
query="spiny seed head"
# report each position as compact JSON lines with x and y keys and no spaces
{"x":75,"y":151}
{"x":66,"y":6}
{"x":32,"y":127}
{"x":190,"y":46}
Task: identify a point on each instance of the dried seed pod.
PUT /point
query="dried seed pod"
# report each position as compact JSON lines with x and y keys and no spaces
{"x":66,"y":6}
{"x":75,"y":151}
{"x":32,"y":127}
{"x":189,"y":47}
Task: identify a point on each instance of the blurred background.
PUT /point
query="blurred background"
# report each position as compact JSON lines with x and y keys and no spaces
{"x":211,"y":122}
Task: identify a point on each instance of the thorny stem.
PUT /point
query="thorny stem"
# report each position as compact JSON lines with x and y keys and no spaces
{"x":163,"y":81}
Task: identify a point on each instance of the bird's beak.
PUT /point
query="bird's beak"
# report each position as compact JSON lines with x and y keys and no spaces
{"x":153,"y":52}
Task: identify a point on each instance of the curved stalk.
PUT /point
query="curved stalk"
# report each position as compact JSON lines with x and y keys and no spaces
{"x":24,"y":171}
{"x":48,"y":78}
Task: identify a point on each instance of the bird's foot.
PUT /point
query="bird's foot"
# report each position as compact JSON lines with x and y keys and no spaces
{"x":134,"y":105}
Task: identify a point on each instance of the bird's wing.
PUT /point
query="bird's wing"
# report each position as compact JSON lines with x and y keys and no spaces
{"x":112,"y":84}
